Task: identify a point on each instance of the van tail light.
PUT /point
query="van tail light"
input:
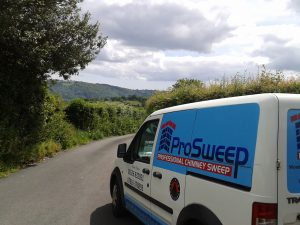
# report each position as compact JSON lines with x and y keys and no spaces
{"x":264,"y":214}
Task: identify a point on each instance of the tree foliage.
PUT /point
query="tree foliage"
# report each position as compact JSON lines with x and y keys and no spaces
{"x":183,"y":83}
{"x":38,"y":38}
{"x":45,"y":37}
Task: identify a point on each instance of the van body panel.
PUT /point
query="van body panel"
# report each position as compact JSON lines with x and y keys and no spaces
{"x":289,"y":172}
{"x":226,"y":139}
{"x":225,"y":200}
{"x":136,"y":183}
{"x":264,"y":124}
{"x":173,"y":124}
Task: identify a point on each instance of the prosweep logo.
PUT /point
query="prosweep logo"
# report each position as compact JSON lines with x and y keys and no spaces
{"x":166,"y":135}
{"x":218,"y":159}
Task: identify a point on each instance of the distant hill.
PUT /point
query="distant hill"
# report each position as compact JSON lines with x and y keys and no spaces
{"x":76,"y":89}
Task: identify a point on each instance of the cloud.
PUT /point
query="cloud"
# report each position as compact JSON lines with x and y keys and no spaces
{"x":281,"y":54}
{"x":161,"y":26}
{"x":160,"y":41}
{"x":295,"y":5}
{"x":161,"y":67}
{"x":283,"y":57}
{"x":115,"y":52}
{"x":270,"y":38}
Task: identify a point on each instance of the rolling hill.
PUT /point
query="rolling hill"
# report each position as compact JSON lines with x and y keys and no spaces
{"x":76,"y":89}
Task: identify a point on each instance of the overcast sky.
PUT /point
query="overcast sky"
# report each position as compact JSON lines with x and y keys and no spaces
{"x":153,"y":43}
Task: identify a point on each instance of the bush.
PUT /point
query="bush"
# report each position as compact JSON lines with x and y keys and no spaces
{"x":54,"y":133}
{"x":42,"y":150}
{"x":55,"y":127}
{"x":102,"y":119}
{"x":81,"y":116}
{"x":21,"y":117}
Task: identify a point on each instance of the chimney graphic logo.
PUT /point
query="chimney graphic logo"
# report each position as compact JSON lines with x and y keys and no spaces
{"x":296,"y":118}
{"x":166,"y":135}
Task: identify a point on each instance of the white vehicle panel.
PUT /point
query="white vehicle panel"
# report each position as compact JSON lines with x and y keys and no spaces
{"x":288,"y":210}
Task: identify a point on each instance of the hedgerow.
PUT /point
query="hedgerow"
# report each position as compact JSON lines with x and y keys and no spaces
{"x":189,"y":90}
{"x":63,"y":126}
{"x":104,"y":118}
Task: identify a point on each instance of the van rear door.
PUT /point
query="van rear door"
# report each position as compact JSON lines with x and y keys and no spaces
{"x":289,"y":160}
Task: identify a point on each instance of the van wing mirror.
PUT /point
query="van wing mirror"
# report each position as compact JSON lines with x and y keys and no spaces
{"x":121,"y":150}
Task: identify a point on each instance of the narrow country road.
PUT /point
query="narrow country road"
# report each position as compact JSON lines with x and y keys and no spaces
{"x":69,"y":189}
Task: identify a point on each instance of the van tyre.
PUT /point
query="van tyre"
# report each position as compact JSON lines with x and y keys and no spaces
{"x":193,"y":222}
{"x":118,"y":208}
{"x":197,"y":215}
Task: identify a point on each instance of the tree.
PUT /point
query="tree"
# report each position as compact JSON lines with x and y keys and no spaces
{"x":187,"y":83}
{"x":38,"y":38}
{"x":47,"y":37}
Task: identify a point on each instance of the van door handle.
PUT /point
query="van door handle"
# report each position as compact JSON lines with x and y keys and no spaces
{"x":157,"y":174}
{"x":146,"y":171}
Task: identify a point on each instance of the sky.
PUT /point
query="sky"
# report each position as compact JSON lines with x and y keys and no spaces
{"x":153,"y":43}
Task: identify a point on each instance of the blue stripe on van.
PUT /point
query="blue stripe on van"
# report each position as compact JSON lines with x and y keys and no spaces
{"x":293,"y":150}
{"x":141,"y":213}
{"x":216,"y":142}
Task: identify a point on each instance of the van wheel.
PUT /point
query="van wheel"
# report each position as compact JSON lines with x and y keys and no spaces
{"x":118,"y":208}
{"x":193,"y":222}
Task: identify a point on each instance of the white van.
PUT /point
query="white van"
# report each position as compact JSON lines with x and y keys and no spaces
{"x":232,"y":161}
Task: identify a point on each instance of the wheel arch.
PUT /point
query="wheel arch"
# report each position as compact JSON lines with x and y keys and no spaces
{"x":197,"y":212}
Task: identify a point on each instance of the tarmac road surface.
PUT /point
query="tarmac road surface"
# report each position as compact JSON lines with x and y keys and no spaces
{"x":70,"y":189}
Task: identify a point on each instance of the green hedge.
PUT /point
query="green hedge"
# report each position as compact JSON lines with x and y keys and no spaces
{"x":63,"y":126}
{"x":187,"y":91}
{"x":103,"y":119}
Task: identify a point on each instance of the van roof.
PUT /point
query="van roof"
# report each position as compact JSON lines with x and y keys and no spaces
{"x":258,"y":98}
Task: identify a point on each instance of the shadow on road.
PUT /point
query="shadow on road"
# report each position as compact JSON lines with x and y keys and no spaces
{"x":103,"y":216}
